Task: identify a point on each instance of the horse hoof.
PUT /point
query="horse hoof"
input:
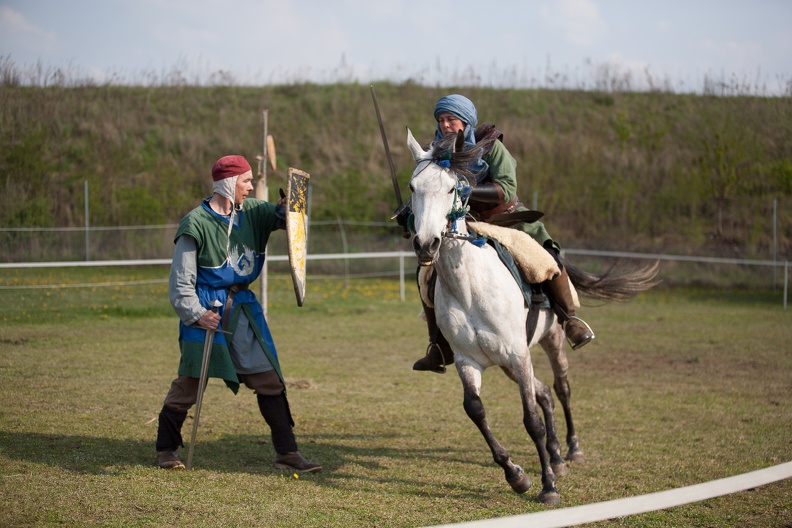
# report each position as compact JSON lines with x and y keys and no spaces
{"x":521,"y":483}
{"x":561,"y":470}
{"x":576,"y":456}
{"x":550,"y":498}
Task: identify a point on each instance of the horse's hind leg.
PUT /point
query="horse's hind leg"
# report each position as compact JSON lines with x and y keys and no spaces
{"x":471,"y":383}
{"x":555,"y":348}
{"x":544,"y":397}
{"x":536,"y":430}
{"x":561,"y":386}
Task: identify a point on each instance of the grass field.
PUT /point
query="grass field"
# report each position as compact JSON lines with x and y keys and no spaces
{"x":680,"y":387}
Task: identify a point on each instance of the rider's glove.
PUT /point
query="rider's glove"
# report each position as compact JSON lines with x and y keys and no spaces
{"x":403,"y":216}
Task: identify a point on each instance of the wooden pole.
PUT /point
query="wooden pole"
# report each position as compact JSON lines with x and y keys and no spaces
{"x":262,"y":193}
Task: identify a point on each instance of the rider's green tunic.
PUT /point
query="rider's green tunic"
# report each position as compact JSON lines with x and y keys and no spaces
{"x":503,"y":171}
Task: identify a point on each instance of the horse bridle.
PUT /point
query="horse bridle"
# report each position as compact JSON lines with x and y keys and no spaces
{"x":462,"y":192}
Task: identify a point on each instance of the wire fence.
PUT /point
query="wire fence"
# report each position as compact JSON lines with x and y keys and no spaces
{"x":31,"y":244}
{"x":350,"y":250}
{"x":757,"y":228}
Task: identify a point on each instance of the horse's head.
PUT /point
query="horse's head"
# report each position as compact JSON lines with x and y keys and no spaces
{"x":439,"y":195}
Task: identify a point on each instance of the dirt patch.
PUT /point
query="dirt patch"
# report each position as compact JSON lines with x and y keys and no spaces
{"x":15,"y":341}
{"x":300,"y":383}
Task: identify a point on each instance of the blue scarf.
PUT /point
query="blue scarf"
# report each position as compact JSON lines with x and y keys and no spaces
{"x":462,"y":108}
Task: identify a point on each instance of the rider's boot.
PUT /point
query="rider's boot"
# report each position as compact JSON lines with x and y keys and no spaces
{"x":439,"y":353}
{"x":578,"y":332}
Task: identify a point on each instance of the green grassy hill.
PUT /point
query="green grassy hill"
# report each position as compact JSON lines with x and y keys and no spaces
{"x":630,"y":171}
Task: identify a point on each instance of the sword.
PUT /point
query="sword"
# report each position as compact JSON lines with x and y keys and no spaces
{"x":400,"y":207}
{"x":207,"y":352}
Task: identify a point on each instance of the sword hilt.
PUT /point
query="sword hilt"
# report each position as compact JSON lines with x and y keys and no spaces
{"x":401,"y":210}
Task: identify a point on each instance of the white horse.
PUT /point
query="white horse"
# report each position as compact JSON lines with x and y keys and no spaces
{"x":482,"y":312}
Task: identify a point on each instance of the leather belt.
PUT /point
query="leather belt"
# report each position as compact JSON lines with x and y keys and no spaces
{"x":232,"y":290}
{"x":508,"y":207}
{"x":515,"y":217}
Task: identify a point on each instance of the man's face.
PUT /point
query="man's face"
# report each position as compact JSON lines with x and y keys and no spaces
{"x":450,"y":124}
{"x":244,"y":185}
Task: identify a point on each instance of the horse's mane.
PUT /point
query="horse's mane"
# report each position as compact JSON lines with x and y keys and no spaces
{"x":460,"y":161}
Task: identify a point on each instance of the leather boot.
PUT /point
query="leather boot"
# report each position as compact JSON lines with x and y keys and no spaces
{"x":294,"y":461}
{"x":577,"y":331}
{"x":169,"y":438}
{"x":169,"y":460}
{"x":439,"y":353}
{"x":276,"y":412}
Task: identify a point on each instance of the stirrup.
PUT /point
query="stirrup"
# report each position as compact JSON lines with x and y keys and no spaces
{"x":442,"y":368}
{"x":579,"y":345}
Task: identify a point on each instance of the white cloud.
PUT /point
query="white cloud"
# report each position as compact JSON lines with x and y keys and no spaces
{"x":445,"y":41}
{"x":734,"y":57}
{"x":579,"y":21}
{"x":16,"y":33}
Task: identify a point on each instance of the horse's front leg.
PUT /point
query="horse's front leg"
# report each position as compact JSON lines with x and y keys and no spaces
{"x":536,"y":430}
{"x":471,"y":384}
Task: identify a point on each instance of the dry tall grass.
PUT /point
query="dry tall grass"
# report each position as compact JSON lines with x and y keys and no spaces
{"x":611,"y":169}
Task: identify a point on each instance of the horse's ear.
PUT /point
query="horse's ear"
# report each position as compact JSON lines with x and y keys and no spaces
{"x":415,"y":148}
{"x":459,"y":144}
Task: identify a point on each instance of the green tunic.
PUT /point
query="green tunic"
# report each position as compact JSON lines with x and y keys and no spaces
{"x":225,"y":258}
{"x":503,"y":171}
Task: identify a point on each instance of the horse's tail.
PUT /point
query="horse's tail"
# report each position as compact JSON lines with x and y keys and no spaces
{"x":617,"y":283}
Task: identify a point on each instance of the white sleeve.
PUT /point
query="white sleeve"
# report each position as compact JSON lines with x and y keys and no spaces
{"x":181,"y":284}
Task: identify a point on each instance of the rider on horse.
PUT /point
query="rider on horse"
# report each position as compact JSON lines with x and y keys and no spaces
{"x":494,"y":193}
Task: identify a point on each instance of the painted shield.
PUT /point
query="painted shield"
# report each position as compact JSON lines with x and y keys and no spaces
{"x":297,"y":228}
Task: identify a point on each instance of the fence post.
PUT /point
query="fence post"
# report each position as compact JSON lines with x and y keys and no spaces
{"x":401,"y":275}
{"x":87,"y":239}
{"x":775,"y":241}
{"x":344,"y":246}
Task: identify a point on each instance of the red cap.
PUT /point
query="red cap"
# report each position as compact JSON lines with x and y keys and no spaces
{"x":229,"y":166}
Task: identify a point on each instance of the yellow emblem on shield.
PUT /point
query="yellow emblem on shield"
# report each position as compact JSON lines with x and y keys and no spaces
{"x":297,"y":228}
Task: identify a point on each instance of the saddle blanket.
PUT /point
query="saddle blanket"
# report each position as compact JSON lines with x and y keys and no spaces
{"x":535,"y":264}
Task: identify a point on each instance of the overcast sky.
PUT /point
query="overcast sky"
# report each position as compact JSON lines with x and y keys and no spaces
{"x":519,"y":43}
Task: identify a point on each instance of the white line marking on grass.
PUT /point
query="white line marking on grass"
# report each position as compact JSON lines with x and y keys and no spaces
{"x":602,"y":511}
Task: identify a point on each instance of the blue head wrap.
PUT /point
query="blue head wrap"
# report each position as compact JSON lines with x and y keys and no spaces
{"x":462,"y":108}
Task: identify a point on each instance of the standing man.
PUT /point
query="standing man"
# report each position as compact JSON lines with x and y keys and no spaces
{"x":220,"y":250}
